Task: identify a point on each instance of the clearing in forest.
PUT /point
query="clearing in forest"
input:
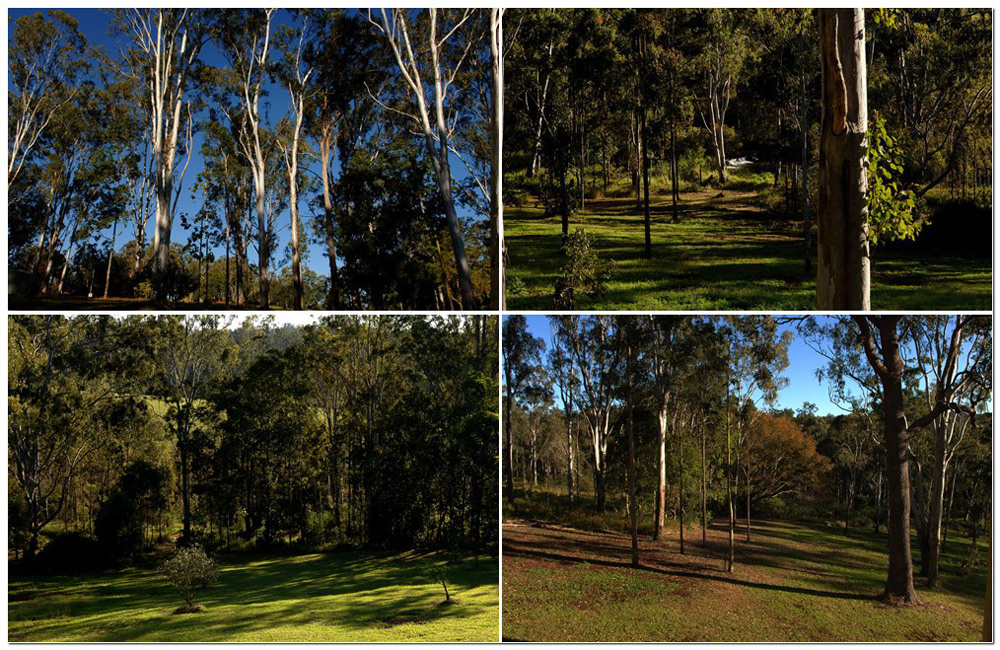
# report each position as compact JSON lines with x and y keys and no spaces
{"x":725,"y":252}
{"x":348,"y":596}
{"x":793,"y":582}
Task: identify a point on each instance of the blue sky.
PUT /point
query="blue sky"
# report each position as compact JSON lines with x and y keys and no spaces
{"x":95,"y":26}
{"x":803,"y":386}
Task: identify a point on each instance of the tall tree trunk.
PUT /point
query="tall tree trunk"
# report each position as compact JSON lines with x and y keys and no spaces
{"x":644,"y":137}
{"x":842,"y":217}
{"x":497,"y":271}
{"x":329,"y":220}
{"x":704,"y":490}
{"x":508,"y":443}
{"x":899,"y":583}
{"x":661,"y":476}
{"x":570,"y":456}
{"x":935,"y":509}
{"x":680,"y":485}
{"x":731,"y":556}
{"x":806,"y":224}
{"x":111,"y":252}
{"x":633,"y":507}
{"x":293,"y":206}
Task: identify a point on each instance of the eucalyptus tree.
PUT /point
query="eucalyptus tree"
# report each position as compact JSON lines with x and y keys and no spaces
{"x":448,"y":51}
{"x":45,"y":59}
{"x":758,"y":355}
{"x":166,"y":44}
{"x":193,"y":355}
{"x":60,"y":371}
{"x":877,"y":356}
{"x":592,"y":341}
{"x":844,"y":266}
{"x":563,"y":370}
{"x":346,"y":57}
{"x":953,"y":356}
{"x":521,"y":358}
{"x":726,"y":52}
{"x":297,"y":75}
{"x":244,"y":36}
{"x":498,"y":290}
{"x":665,"y":351}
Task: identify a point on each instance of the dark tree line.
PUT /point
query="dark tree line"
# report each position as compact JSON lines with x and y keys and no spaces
{"x":369,"y":432}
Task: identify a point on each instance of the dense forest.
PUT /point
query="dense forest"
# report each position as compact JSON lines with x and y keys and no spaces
{"x":201,"y":155}
{"x":350,"y":432}
{"x":646,"y":127}
{"x":679,"y":415}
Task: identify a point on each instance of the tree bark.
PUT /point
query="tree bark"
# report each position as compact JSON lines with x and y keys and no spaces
{"x":661,"y":476}
{"x":843,"y":281}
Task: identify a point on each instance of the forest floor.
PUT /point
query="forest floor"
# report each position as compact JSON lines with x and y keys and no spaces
{"x":726,"y":252}
{"x":793,"y":582}
{"x":347,"y":596}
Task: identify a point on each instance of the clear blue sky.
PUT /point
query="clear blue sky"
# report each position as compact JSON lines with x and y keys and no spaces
{"x":803,"y":386}
{"x":95,"y":26}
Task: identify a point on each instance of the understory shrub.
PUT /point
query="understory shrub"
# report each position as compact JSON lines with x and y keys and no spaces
{"x":584,"y":271}
{"x":188,"y":570}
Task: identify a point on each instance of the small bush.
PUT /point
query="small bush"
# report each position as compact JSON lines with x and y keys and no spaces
{"x":188,"y":570}
{"x":584,"y":270}
{"x":515,"y":287}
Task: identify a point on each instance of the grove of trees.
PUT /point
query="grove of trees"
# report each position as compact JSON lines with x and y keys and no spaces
{"x":679,"y":416}
{"x":368,"y":133}
{"x":869,"y":123}
{"x":352,"y":431}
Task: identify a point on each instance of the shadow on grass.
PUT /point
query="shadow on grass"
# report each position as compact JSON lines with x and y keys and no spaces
{"x":514,"y":550}
{"x":356,"y":594}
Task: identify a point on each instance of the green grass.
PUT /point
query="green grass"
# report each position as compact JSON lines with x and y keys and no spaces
{"x":725,"y":253}
{"x":349,"y":596}
{"x":793,"y":582}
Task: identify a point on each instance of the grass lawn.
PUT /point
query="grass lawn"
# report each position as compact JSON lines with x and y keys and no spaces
{"x":725,"y":253}
{"x":793,"y":582}
{"x":349,"y":596}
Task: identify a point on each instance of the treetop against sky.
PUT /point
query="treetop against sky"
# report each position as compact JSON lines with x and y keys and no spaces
{"x":96,"y":26}
{"x":804,"y":362}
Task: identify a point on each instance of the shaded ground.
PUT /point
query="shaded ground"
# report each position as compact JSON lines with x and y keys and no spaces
{"x":319,"y":597}
{"x":725,"y":253}
{"x":792,"y":582}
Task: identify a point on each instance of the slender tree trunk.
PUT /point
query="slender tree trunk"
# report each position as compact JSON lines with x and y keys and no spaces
{"x":842,"y":214}
{"x":644,"y":137}
{"x":806,"y":224}
{"x":329,"y":220}
{"x":748,"y":505}
{"x":936,"y":506}
{"x":661,"y":476}
{"x":633,"y":507}
{"x":680,"y":485}
{"x":497,"y":279}
{"x":508,"y":443}
{"x":704,"y":491}
{"x":731,"y":557}
{"x":111,"y":252}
